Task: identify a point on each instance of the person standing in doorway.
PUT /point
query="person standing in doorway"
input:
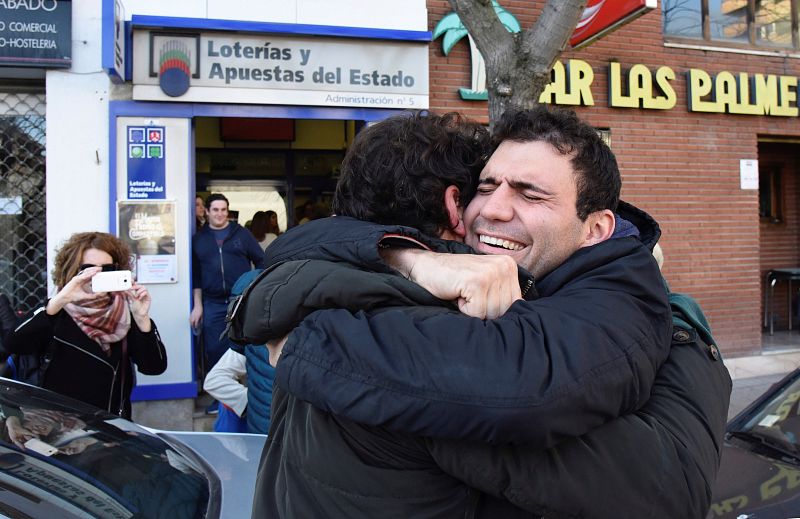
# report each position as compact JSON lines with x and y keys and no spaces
{"x":199,"y":213}
{"x":221,"y":252}
{"x":265,"y":227}
{"x":273,"y":229}
{"x":308,"y":213}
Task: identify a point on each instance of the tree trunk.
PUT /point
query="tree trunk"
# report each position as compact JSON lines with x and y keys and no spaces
{"x":518,"y":66}
{"x":514,"y":82}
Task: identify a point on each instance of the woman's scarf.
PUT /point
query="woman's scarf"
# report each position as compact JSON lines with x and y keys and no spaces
{"x":105,"y":319}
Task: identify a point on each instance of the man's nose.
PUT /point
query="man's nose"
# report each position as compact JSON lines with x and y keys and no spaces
{"x":498,"y":205}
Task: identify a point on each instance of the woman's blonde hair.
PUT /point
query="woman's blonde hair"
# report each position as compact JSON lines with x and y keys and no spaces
{"x":70,"y":255}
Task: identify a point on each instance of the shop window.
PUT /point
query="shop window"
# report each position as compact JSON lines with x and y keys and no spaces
{"x":770,"y":23}
{"x":773,"y":23}
{"x":770,"y":194}
{"x":683,"y":18}
{"x":23,"y":245}
{"x":727,"y":20}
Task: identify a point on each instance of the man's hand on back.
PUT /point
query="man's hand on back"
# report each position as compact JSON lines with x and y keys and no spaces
{"x":484,"y":286}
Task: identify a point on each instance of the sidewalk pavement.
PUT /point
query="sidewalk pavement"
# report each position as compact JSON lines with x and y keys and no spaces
{"x":752,"y":376}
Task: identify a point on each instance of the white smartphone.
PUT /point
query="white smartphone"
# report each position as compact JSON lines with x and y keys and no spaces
{"x":40,"y":447}
{"x":113,"y":281}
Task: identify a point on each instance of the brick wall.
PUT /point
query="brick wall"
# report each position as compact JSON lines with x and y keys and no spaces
{"x":681,"y":167}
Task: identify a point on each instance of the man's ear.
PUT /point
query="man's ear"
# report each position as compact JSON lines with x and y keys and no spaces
{"x":599,"y":227}
{"x":455,"y":211}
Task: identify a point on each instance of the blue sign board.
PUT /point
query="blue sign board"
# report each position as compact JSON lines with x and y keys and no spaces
{"x":146,"y":163}
{"x":115,"y":34}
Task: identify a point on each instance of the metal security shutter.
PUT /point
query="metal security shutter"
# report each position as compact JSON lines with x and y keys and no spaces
{"x":23,"y":251}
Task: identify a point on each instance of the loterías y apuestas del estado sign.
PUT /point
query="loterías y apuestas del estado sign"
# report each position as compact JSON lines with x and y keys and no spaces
{"x":279,"y":69}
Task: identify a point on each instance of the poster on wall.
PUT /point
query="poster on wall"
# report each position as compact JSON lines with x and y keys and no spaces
{"x":748,"y":173}
{"x":147,"y":169}
{"x":149,"y":230}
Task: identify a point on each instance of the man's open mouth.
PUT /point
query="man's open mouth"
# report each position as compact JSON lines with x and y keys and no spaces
{"x":499,"y":242}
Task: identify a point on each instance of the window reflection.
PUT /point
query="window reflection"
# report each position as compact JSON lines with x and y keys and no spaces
{"x":64,"y":459}
{"x":728,"y":20}
{"x":779,"y":417}
{"x":683,"y":18}
{"x":765,"y":23}
{"x":774,"y":23}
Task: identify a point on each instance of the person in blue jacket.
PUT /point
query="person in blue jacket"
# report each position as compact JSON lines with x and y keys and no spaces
{"x":242,"y":380}
{"x":221,"y":252}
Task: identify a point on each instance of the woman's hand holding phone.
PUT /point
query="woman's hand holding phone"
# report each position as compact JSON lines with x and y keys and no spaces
{"x":139,"y":301}
{"x":77,"y":289}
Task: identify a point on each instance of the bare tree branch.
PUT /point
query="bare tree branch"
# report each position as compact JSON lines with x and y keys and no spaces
{"x":518,"y":65}
{"x":550,"y":34}
{"x":487,"y":31}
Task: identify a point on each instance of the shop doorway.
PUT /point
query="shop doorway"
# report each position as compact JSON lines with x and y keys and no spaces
{"x":290,"y":166}
{"x":246,"y":197}
{"x":779,"y":242}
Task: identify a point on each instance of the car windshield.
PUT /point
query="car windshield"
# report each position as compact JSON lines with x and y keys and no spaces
{"x":776,"y":422}
{"x":59,"y":458}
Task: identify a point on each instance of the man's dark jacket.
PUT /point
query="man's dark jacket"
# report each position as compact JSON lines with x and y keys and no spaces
{"x":321,"y":463}
{"x":551,"y":368}
{"x":215,"y":268}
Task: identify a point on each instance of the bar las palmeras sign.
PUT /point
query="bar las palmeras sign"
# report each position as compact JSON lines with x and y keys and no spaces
{"x":653,"y":89}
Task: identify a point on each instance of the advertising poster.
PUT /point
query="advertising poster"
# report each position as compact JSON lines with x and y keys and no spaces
{"x":149,"y":229}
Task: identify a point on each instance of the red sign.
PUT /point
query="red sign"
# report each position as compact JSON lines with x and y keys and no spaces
{"x":603,"y":16}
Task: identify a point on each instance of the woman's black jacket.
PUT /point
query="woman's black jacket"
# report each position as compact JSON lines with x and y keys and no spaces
{"x":79,"y":368}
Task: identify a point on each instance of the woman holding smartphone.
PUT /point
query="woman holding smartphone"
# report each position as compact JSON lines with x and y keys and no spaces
{"x":89,"y":341}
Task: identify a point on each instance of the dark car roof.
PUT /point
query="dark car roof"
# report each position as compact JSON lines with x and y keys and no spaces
{"x":80,"y":460}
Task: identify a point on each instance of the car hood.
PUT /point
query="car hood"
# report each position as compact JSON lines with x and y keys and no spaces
{"x":64,"y":458}
{"x":752,"y":483}
{"x":234,"y":458}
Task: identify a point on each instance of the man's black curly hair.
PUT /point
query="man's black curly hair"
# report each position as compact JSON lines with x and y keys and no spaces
{"x":396,"y":171}
{"x":597,"y":174}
